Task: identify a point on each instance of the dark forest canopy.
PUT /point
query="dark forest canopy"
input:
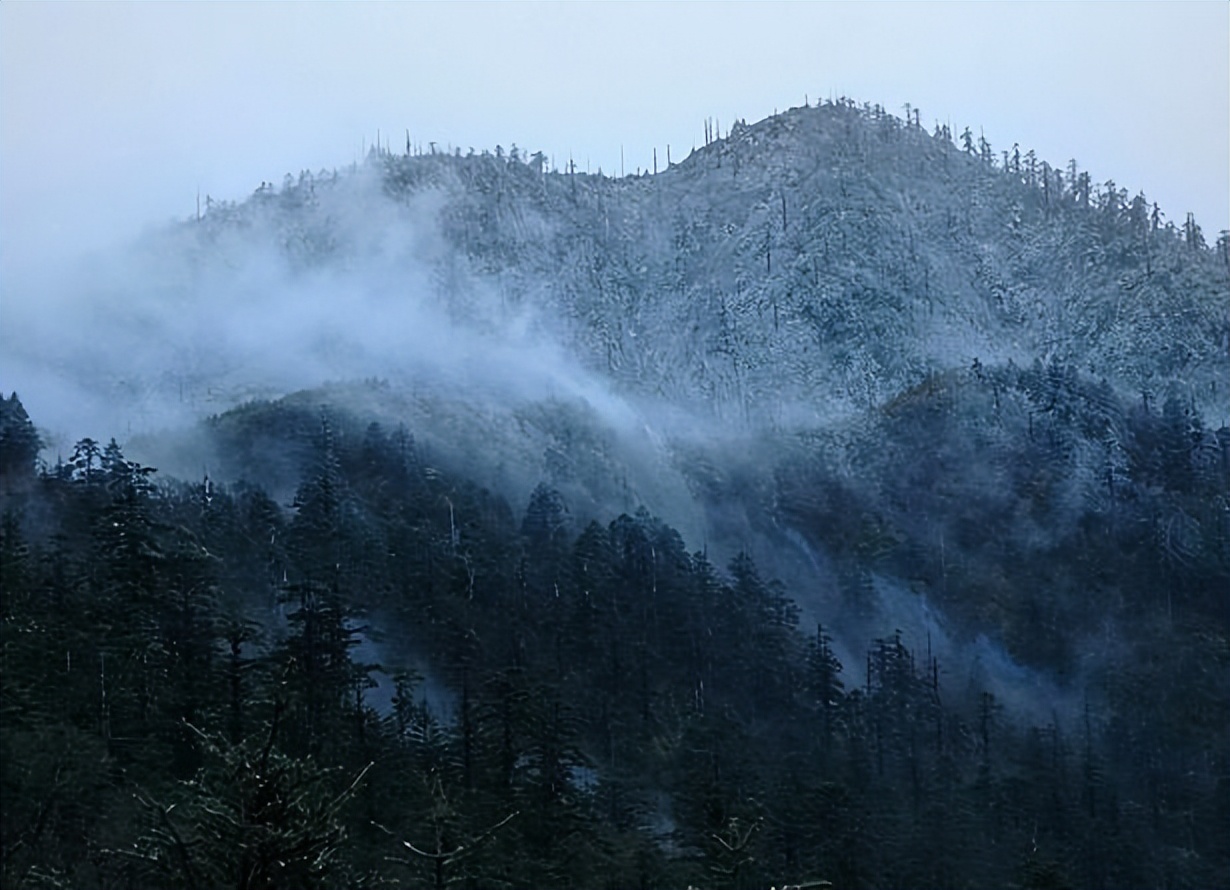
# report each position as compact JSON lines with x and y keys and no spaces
{"x":399,"y":680}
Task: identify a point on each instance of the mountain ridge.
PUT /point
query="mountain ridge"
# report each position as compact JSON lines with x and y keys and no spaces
{"x":852,"y":279}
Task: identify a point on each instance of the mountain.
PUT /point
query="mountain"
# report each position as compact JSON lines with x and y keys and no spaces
{"x":829,"y":256}
{"x":831,"y":278}
{"x":475,"y":436}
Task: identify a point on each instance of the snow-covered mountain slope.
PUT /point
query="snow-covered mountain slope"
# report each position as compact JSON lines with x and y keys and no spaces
{"x":819,"y":262}
{"x":809,"y":267}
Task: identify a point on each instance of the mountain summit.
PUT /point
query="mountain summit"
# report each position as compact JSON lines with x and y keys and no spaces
{"x":825,"y":259}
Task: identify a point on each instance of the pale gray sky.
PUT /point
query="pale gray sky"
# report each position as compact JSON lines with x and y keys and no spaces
{"x":112,"y":116}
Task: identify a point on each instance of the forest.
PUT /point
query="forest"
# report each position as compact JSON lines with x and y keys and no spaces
{"x":192,"y":696}
{"x":845,"y":504}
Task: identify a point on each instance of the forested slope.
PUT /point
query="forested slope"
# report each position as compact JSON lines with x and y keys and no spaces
{"x":204,"y":688}
{"x":826,"y":257}
{"x":459,"y":565}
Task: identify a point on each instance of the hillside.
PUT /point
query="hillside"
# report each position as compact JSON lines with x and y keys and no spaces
{"x":474,"y":477}
{"x":825,"y":259}
{"x":796,"y":294}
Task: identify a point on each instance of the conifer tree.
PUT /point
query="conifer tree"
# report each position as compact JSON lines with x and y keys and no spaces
{"x":19,"y":442}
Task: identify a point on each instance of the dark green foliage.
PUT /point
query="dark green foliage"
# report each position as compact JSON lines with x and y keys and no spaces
{"x":191,"y":696}
{"x":253,"y":817}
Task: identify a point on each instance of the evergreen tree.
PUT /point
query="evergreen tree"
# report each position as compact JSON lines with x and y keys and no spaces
{"x":19,"y":442}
